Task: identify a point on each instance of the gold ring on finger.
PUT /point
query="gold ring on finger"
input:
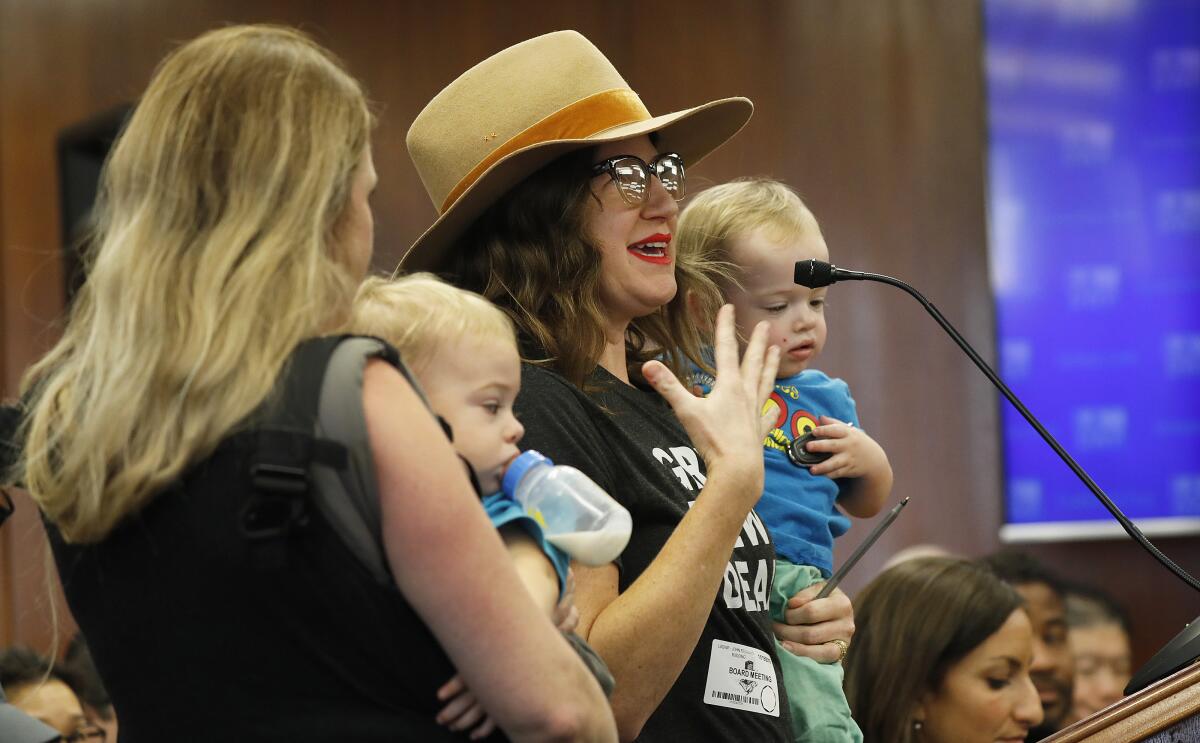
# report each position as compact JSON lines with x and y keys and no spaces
{"x":843,"y":647}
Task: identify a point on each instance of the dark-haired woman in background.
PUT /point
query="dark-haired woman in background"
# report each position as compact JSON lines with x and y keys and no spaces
{"x":941,"y":655}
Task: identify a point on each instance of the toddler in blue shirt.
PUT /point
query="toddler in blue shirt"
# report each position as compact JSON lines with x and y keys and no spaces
{"x":747,"y":236}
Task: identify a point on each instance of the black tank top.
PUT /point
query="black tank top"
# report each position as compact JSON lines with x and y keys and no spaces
{"x":197,"y":638}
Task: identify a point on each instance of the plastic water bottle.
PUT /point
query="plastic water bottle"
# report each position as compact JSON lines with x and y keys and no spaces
{"x":575,"y":514}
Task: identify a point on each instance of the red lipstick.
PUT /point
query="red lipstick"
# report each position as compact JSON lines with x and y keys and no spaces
{"x":653,"y":249}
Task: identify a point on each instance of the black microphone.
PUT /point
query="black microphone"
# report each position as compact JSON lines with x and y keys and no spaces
{"x":1184,"y":648}
{"x":816,"y":274}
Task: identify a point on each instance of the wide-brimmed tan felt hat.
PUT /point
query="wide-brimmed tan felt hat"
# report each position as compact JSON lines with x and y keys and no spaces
{"x":517,"y":110}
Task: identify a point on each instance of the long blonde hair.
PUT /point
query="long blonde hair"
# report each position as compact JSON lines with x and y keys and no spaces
{"x":214,"y":255}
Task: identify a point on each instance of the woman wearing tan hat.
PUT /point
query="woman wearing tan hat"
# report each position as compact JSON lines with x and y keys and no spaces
{"x":556,"y":191}
{"x":178,"y":439}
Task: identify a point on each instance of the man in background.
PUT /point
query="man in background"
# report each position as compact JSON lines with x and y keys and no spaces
{"x":89,"y":688}
{"x":1100,"y":644}
{"x":1053,"y":667}
{"x":18,"y":727}
{"x":45,"y":691}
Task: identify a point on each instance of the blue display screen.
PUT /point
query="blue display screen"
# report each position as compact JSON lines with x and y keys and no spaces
{"x":1094,"y":220}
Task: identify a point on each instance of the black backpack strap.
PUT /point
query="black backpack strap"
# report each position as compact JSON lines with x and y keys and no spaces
{"x":310,"y":449}
{"x":282,"y":447}
{"x":350,"y":499}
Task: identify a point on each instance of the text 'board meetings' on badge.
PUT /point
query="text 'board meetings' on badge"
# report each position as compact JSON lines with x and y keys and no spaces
{"x":741,"y":677}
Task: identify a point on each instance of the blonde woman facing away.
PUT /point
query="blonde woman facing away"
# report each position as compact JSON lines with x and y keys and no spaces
{"x":178,"y":436}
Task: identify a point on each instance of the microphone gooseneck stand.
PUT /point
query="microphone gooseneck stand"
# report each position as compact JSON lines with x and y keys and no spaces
{"x":1181,"y":650}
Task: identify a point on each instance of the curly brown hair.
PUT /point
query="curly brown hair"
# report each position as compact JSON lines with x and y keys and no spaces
{"x":531,"y":255}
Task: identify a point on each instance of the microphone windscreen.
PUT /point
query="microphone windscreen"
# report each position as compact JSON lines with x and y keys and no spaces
{"x":813,"y":274}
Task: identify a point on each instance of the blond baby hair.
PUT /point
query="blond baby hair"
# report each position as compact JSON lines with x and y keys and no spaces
{"x":418,"y":312}
{"x":716,"y":217}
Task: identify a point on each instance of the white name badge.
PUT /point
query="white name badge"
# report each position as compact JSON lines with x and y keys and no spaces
{"x":741,"y":677}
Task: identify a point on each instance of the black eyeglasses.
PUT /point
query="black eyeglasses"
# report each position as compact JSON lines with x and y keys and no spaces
{"x":632,"y":175}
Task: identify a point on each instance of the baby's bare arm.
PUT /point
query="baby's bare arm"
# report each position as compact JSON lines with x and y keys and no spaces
{"x":462,"y":711}
{"x":533,"y":567}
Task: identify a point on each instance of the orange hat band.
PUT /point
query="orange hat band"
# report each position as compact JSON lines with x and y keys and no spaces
{"x":580,"y":120}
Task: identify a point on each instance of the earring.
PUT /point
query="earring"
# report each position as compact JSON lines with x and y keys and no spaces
{"x":917,"y":726}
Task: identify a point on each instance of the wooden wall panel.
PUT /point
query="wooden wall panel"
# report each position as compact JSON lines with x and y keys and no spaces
{"x":873,"y":110}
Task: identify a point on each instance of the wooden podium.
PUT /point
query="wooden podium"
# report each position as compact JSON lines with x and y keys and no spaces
{"x":1165,"y":712}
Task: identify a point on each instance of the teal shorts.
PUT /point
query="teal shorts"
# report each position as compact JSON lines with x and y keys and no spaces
{"x":820,"y":713}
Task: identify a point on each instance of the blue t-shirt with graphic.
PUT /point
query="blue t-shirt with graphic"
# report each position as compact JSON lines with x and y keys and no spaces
{"x":502,"y":510}
{"x":798,"y":506}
